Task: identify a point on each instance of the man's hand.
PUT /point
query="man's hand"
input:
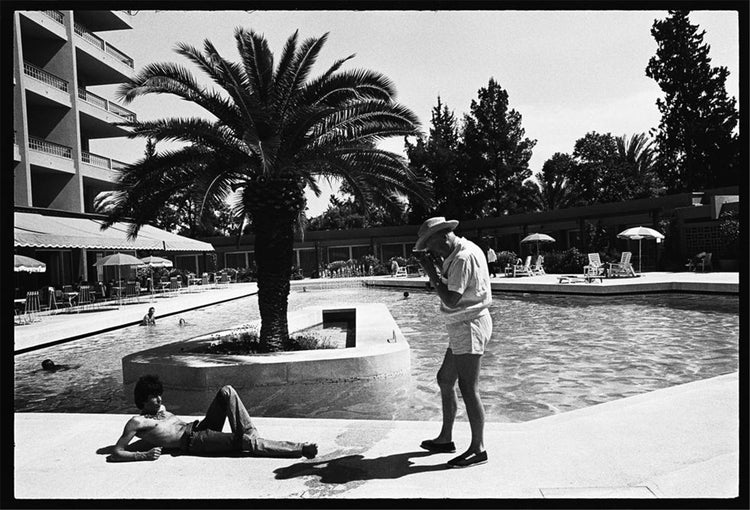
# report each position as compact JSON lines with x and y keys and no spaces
{"x":152,"y":454}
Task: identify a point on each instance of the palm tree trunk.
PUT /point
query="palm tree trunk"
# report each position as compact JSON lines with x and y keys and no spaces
{"x":274,"y":246}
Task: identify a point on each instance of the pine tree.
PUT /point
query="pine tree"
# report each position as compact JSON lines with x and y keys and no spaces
{"x":697,"y":145}
{"x":498,"y":153}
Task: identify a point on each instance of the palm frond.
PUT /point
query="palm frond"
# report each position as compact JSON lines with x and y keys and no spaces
{"x":257,"y":59}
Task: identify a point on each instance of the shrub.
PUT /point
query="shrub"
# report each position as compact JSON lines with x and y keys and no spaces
{"x":568,"y":261}
{"x":729,"y":230}
{"x":505,"y":258}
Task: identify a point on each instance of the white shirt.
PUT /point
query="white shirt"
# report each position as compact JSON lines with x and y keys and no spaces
{"x":491,"y":255}
{"x":465,"y":271}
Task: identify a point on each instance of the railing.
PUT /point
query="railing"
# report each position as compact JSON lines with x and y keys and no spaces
{"x":100,"y":43}
{"x":45,"y":77}
{"x":41,"y":145}
{"x":102,"y":162}
{"x":105,"y":104}
{"x":55,"y":15}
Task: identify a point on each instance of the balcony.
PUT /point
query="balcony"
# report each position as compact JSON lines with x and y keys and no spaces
{"x":99,"y":60}
{"x":46,"y":85}
{"x":46,"y":154}
{"x":44,"y":25}
{"x":99,"y":21}
{"x":99,"y":167}
{"x":106,"y":105}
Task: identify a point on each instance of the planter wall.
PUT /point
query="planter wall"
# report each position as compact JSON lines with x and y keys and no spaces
{"x":366,"y":380}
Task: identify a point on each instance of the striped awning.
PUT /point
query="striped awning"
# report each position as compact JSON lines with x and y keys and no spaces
{"x":40,"y":231}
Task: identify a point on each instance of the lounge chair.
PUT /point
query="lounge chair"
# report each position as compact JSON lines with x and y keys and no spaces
{"x":522,"y":268}
{"x":595,"y":268}
{"x":401,"y":272}
{"x":174,"y":284}
{"x":622,"y":268}
{"x":32,"y":307}
{"x":538,"y":268}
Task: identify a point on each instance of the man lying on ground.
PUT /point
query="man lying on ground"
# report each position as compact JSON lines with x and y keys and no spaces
{"x":162,"y":429}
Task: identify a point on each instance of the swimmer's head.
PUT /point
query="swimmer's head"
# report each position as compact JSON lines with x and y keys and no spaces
{"x":182,"y":322}
{"x":48,"y":364}
{"x":406,"y":295}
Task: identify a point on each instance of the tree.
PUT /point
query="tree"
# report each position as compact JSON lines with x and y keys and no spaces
{"x":600,"y":176}
{"x":555,"y":191}
{"x":272,"y":131}
{"x":697,"y":145}
{"x":438,"y":157}
{"x":498,"y":153}
{"x":638,"y":154}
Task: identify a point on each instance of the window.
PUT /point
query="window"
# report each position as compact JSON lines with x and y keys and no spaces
{"x":338,"y":253}
{"x":391,"y":250}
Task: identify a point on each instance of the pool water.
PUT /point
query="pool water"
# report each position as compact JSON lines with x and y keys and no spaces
{"x":548,"y":354}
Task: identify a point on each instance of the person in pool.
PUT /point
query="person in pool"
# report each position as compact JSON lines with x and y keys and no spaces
{"x":159,"y":428}
{"x":149,"y":319}
{"x":50,"y":366}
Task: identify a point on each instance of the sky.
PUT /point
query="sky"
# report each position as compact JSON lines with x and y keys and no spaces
{"x":566,"y":72}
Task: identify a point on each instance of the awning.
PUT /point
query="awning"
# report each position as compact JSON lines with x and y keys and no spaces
{"x":39,"y":231}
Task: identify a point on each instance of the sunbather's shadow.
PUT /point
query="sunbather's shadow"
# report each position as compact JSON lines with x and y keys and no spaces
{"x":355,"y":467}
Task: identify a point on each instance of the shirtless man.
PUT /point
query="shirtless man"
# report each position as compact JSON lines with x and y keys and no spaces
{"x":162,"y":429}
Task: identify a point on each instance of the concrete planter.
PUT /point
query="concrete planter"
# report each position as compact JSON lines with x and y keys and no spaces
{"x":328,"y":383}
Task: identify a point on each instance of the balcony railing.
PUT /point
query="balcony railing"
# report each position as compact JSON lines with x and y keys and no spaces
{"x":100,"y":161}
{"x":43,"y":76}
{"x":41,"y":145}
{"x":105,"y":104}
{"x":103,"y":45}
{"x":55,"y":15}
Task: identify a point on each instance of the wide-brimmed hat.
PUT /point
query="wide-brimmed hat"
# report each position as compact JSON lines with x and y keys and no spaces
{"x":431,"y":226}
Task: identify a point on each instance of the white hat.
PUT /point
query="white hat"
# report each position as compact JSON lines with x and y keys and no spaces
{"x":431,"y":226}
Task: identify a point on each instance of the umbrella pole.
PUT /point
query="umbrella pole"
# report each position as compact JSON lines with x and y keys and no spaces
{"x":640,"y":269}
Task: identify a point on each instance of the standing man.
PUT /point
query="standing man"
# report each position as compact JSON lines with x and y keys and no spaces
{"x":458,"y":270}
{"x":491,"y":261}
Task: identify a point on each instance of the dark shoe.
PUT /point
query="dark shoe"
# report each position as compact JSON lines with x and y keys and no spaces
{"x":430,"y":445}
{"x":470,"y":460}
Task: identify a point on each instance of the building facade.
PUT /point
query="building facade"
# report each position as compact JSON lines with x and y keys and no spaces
{"x":59,"y":60}
{"x":693,"y":219}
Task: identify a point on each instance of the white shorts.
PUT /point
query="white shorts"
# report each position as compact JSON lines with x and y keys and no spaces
{"x":470,"y":336}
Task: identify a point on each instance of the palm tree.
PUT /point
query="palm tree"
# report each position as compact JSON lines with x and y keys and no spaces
{"x":273,"y":132}
{"x":638,"y":153}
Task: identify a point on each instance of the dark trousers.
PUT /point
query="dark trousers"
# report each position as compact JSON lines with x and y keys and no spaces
{"x":205,"y":437}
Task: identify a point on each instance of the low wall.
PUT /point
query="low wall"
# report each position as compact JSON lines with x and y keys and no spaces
{"x":325,"y":383}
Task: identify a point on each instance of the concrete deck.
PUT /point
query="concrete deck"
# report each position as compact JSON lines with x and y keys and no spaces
{"x":679,"y":442}
{"x":709,"y":283}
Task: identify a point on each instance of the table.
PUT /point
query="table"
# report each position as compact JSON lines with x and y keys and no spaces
{"x":70,"y":296}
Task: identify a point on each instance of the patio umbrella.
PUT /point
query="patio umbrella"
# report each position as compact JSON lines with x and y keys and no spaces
{"x":21,"y":263}
{"x":640,"y":233}
{"x":538,"y":238}
{"x":152,"y":262}
{"x":119,"y":259}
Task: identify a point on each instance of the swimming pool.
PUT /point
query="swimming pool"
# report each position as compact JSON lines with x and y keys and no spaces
{"x":548,"y":354}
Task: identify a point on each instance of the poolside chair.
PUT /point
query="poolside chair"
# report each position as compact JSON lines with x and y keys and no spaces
{"x":705,"y":262}
{"x":204,"y":280}
{"x":538,"y":269}
{"x":47,"y":298}
{"x":32,"y":307}
{"x":523,"y":268}
{"x":401,"y":272}
{"x":174,"y":284}
{"x":595,"y":268}
{"x":133,"y":290}
{"x":622,"y":268}
{"x":86,"y":296}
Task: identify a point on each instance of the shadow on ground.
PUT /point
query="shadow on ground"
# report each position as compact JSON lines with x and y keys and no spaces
{"x":355,"y":467}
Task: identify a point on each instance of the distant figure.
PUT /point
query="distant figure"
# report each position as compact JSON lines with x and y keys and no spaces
{"x":182,"y":323}
{"x":491,"y":261}
{"x":304,"y":289}
{"x":149,"y":319}
{"x":394,"y":267}
{"x":406,"y":295}
{"x":50,"y":366}
{"x":162,"y":429}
